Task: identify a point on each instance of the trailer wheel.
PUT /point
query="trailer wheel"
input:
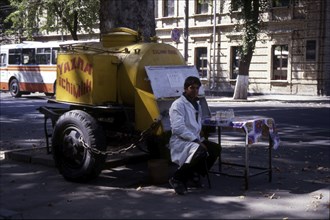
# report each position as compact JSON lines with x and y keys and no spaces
{"x":73,"y":161}
{"x":14,"y":88}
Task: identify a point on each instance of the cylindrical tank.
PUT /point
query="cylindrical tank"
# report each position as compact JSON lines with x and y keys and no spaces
{"x":137,"y":55}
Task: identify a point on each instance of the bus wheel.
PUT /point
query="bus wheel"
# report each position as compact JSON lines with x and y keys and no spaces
{"x":14,"y":88}
{"x":72,"y":131}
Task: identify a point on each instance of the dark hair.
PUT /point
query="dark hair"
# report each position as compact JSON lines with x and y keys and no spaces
{"x":191,"y":80}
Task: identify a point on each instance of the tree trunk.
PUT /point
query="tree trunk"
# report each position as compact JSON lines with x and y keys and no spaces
{"x":134,"y":14}
{"x":241,"y":87}
{"x":250,"y":12}
{"x":242,"y":81}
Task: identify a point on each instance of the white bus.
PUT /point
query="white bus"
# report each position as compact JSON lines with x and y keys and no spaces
{"x":28,"y":67}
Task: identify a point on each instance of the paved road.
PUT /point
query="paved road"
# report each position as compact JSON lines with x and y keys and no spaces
{"x":20,"y":123}
{"x":299,"y":189}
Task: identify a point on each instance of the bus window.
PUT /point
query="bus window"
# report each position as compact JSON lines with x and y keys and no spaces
{"x":43,"y":56}
{"x":3,"y":59}
{"x":29,"y":56}
{"x":15,"y":56}
{"x":54,"y":55}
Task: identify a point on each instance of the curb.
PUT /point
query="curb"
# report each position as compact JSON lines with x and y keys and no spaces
{"x":33,"y":156}
{"x":325,"y":101}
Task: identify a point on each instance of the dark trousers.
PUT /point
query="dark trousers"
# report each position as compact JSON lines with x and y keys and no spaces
{"x":202,"y":159}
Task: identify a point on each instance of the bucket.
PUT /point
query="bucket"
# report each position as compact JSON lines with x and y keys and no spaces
{"x":158,"y":171}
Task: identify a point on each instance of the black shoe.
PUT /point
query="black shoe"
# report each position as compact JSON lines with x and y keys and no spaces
{"x":178,"y":186}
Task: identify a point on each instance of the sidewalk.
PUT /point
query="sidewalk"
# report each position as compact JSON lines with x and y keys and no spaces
{"x":263,"y":98}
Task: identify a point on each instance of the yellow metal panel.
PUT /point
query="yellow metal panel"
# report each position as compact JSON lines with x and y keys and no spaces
{"x":104,"y":79}
{"x":146,"y":110}
{"x":117,"y":40}
{"x":74,"y":78}
{"x":86,"y":78}
{"x":119,"y":37}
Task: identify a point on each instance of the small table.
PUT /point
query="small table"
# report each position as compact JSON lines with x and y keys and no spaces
{"x":255,"y":128}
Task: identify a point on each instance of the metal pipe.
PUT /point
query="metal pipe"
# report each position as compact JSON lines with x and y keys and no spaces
{"x":186,"y":32}
{"x":214,"y":39}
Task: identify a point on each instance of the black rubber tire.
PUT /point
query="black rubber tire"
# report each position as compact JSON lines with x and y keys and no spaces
{"x":49,"y":94}
{"x":14,"y":88}
{"x":73,"y":161}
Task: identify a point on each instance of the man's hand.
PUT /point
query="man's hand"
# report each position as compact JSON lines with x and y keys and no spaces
{"x":200,"y":143}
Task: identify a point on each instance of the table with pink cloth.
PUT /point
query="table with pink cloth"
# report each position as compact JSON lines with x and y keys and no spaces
{"x":256,"y":129}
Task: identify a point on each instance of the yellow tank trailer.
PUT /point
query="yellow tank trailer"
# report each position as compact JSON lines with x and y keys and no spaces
{"x":114,"y":92}
{"x":114,"y":73}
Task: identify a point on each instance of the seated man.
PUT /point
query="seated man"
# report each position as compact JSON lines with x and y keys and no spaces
{"x":188,"y":149}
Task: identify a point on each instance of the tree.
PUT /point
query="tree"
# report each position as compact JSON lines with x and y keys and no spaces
{"x":31,"y":17}
{"x":5,"y":10}
{"x":251,"y":11}
{"x":134,"y":14}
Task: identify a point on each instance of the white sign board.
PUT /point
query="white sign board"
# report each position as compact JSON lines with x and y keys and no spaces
{"x":168,"y":81}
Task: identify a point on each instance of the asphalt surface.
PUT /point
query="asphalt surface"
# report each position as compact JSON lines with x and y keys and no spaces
{"x":31,"y":187}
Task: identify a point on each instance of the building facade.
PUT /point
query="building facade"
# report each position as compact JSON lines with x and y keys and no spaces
{"x":292,"y":53}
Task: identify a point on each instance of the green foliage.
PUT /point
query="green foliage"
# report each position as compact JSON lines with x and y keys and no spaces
{"x":5,"y":10}
{"x":250,"y":12}
{"x":33,"y":16}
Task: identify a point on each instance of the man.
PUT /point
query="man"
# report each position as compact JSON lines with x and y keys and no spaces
{"x":194,"y":155}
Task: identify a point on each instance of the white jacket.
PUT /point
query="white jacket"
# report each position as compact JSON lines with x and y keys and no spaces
{"x":185,"y":129}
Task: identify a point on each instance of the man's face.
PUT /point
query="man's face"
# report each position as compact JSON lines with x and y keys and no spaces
{"x":192,"y":91}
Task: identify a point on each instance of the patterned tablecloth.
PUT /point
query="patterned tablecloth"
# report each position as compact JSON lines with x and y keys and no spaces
{"x":255,"y":127}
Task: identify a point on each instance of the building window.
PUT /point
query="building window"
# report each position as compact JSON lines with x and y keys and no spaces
{"x":235,"y":59}
{"x":202,"y":6}
{"x":168,"y":6}
{"x":311,"y":50}
{"x":280,"y":62}
{"x":281,"y":3}
{"x":235,"y":5}
{"x":156,"y":8}
{"x":298,"y":3}
{"x":201,"y":61}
